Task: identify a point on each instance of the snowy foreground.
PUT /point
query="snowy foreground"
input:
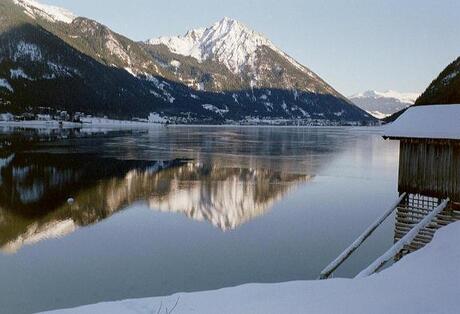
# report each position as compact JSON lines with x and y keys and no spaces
{"x":427,"y":281}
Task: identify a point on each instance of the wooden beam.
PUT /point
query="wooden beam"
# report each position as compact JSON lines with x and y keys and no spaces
{"x":326,"y":273}
{"x":406,"y":240}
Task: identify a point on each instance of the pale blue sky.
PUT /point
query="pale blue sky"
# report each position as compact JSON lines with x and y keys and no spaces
{"x":355,"y":45}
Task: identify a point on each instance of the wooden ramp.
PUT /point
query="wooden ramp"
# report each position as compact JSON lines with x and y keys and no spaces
{"x":417,"y":219}
{"x":329,"y":270}
{"x":412,"y":209}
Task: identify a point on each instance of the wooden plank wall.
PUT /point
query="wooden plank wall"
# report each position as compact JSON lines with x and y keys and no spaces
{"x":430,"y":167}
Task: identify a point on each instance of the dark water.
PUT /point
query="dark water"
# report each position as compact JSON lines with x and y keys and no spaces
{"x":95,"y":216}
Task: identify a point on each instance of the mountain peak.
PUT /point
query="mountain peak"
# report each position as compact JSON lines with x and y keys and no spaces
{"x":51,"y":13}
{"x":228,"y":21}
{"x":227,"y":25}
{"x":408,"y":98}
{"x":227,"y":41}
{"x":383,"y":104}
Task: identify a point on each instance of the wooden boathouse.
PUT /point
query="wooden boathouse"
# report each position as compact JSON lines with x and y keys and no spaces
{"x":428,"y":183}
{"x":429,"y":169}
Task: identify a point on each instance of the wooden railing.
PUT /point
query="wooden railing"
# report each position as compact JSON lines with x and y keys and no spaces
{"x":407,"y":239}
{"x":326,"y":273}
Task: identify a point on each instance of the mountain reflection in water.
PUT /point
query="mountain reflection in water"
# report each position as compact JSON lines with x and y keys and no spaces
{"x":226,"y":197}
{"x":35,"y":189}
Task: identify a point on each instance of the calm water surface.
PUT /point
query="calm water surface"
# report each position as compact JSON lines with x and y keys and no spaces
{"x":92,"y":216}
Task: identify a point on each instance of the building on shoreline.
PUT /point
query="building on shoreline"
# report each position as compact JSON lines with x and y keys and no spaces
{"x":429,"y":169}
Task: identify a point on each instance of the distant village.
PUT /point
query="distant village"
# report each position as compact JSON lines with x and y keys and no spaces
{"x":47,"y":114}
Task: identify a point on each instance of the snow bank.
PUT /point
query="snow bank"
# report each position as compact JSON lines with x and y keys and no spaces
{"x":426,"y":281}
{"x":436,"y":121}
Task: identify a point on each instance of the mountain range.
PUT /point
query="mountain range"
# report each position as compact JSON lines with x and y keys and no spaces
{"x":383,"y":104}
{"x":51,"y":59}
{"x":444,"y":90}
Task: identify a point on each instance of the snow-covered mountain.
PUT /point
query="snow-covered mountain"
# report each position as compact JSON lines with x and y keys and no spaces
{"x":228,"y":41}
{"x":247,"y":54}
{"x":383,"y":104}
{"x":49,"y":12}
{"x":226,"y":73}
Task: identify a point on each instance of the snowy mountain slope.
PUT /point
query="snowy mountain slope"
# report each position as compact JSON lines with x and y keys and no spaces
{"x":245,"y":53}
{"x":445,"y":89}
{"x":238,"y":76}
{"x":48,"y":12}
{"x":40,"y":69}
{"x":230,"y":58}
{"x":228,"y":41}
{"x":383,"y":104}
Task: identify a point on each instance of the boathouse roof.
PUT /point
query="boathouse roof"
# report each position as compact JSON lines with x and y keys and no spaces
{"x":427,"y":122}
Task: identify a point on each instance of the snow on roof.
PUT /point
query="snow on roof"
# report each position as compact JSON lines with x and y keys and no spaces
{"x":433,"y":122}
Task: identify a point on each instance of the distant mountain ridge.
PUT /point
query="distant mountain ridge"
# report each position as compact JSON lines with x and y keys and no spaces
{"x":444,"y":90}
{"x":227,"y":73}
{"x":383,"y":104}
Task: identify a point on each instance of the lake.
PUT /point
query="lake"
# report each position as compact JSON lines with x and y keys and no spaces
{"x":94,"y":215}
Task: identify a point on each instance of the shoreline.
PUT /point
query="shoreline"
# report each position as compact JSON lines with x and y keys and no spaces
{"x":124,"y":124}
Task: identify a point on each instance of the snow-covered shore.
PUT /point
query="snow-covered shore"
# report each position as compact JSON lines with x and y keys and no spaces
{"x":87,"y":123}
{"x":427,"y":281}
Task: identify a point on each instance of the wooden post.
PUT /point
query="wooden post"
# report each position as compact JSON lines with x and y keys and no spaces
{"x":326,"y":273}
{"x":407,"y":239}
